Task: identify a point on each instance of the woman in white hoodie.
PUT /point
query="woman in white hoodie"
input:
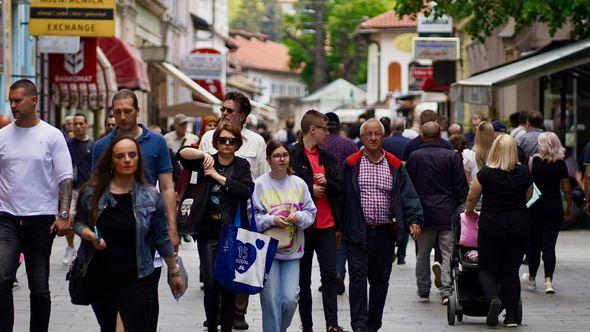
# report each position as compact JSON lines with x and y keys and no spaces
{"x":282,"y":201}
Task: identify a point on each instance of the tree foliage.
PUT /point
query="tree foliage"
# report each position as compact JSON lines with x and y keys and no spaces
{"x":257,"y":16}
{"x":321,"y":36}
{"x":483,"y":16}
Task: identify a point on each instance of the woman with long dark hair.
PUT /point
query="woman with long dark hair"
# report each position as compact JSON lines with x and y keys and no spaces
{"x":503,"y":227}
{"x":282,"y":201}
{"x":122,"y":221}
{"x":225,"y":185}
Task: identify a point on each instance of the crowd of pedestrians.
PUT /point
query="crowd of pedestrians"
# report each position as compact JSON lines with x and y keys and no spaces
{"x":318,"y":193}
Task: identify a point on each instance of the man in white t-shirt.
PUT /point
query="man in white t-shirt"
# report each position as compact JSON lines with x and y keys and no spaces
{"x":180,"y":136}
{"x":235,"y":109}
{"x":35,"y":192}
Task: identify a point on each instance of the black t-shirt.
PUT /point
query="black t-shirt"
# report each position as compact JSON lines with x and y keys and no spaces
{"x":547,"y":176}
{"x":503,"y":206}
{"x":81,"y":152}
{"x":113,"y":268}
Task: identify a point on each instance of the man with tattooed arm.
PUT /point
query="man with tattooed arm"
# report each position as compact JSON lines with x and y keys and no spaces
{"x":35,"y":194}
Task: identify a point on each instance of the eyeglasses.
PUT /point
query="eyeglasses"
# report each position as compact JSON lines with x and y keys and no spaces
{"x":227,"y":140}
{"x":226,"y":110}
{"x":322,"y":128}
{"x":375,"y":134}
{"x":279,"y":156}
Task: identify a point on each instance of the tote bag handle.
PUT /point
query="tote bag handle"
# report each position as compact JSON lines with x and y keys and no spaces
{"x":238,"y":217}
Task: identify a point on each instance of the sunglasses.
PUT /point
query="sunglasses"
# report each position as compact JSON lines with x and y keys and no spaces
{"x":227,"y":140}
{"x":226,"y":110}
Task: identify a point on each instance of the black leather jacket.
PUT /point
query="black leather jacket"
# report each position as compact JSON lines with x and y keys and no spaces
{"x":237,"y":189}
{"x":302,"y":167}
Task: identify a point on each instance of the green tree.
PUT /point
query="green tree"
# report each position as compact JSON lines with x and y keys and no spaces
{"x":321,"y":36}
{"x":257,"y":16}
{"x":483,"y":16}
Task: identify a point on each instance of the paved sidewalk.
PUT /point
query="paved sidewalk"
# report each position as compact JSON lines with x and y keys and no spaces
{"x":568,"y":310}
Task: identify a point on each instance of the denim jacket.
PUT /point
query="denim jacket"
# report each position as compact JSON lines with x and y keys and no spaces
{"x":151,"y":227}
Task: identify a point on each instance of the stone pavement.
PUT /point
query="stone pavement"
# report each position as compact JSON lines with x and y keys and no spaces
{"x":568,"y":310}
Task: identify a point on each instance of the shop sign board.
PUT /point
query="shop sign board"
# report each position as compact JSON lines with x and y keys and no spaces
{"x":59,"y":44}
{"x":432,"y":24}
{"x":205,"y":66}
{"x":85,"y":18}
{"x":436,"y":48}
{"x":77,"y":67}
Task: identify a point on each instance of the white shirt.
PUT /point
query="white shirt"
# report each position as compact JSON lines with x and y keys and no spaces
{"x":33,"y":162}
{"x":470,"y":164}
{"x":410,"y":133}
{"x":517,"y":133}
{"x":253,"y":149}
{"x":173,"y":140}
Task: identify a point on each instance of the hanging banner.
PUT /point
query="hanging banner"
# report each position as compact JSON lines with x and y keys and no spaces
{"x":85,"y":18}
{"x":205,"y":66}
{"x":77,"y":67}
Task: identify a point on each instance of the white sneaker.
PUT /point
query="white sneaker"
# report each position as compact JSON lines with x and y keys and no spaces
{"x":422,"y":299}
{"x":531,"y":285}
{"x":69,"y":256}
{"x":549,"y":287}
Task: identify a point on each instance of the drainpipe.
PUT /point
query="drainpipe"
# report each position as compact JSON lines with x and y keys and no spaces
{"x":378,"y":68}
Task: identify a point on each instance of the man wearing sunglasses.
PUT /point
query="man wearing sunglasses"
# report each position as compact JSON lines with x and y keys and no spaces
{"x":235,"y":110}
{"x":319,"y":169}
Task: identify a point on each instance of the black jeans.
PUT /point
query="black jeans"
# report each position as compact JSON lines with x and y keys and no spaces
{"x":31,"y":236}
{"x":134,"y":305}
{"x":372,"y":264}
{"x":213,"y":290}
{"x":500,"y":256}
{"x":544,"y":230}
{"x":155,"y":306}
{"x":323,"y":242}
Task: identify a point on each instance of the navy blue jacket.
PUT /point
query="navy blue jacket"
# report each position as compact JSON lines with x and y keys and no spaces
{"x":414,"y":144}
{"x":437,"y":174}
{"x":404,"y":201}
{"x":395,"y":144}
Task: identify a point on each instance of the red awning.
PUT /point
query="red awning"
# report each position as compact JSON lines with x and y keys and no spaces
{"x":130,"y":69}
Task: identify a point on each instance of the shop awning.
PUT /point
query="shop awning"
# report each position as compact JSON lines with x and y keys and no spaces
{"x":188,"y":82}
{"x":193,"y":108}
{"x":130,"y":69}
{"x":91,"y":96}
{"x":266,"y":112}
{"x":478,"y":89}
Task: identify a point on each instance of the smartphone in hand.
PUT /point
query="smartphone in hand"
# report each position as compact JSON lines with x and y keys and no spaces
{"x":97,"y":233}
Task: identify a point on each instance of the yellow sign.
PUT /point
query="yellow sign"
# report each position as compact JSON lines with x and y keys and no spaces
{"x":85,"y":18}
{"x":403,"y":42}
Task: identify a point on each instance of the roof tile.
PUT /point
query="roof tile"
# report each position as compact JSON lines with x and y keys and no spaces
{"x":389,"y":20}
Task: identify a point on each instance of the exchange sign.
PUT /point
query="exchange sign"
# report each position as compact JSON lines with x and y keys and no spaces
{"x":85,"y":18}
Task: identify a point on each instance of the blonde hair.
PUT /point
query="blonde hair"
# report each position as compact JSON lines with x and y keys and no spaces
{"x":550,"y":148}
{"x":503,"y":154}
{"x":484,"y":138}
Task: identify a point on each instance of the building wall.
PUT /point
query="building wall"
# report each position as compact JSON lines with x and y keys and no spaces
{"x":378,"y":70}
{"x":276,"y":85}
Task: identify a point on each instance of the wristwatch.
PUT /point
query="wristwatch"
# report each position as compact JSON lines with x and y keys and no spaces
{"x":64,"y":214}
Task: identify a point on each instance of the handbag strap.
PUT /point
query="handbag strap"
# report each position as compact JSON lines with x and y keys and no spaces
{"x":238,"y":217}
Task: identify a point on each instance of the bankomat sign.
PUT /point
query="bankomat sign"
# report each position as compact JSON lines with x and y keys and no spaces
{"x":85,"y":18}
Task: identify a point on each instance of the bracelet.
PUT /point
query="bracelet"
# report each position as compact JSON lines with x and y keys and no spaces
{"x":174,"y":272}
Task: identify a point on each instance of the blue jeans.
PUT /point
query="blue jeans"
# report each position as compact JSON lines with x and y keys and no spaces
{"x":31,"y":236}
{"x":280,"y":295}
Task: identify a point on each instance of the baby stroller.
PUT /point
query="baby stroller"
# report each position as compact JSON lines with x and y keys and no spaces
{"x":467,"y":297}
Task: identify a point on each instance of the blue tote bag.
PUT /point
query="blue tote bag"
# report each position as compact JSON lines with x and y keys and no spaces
{"x":244,"y":257}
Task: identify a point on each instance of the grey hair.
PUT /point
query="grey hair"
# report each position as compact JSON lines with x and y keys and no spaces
{"x":362,"y":130}
{"x":455,"y":126}
{"x":398,"y":124}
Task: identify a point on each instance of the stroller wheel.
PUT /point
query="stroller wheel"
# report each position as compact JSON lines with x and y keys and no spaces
{"x":451,"y":310}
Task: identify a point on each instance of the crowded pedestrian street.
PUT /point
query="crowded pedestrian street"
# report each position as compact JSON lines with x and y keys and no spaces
{"x":569,"y":310}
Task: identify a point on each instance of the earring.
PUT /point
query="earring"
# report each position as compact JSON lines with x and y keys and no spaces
{"x":111,"y":170}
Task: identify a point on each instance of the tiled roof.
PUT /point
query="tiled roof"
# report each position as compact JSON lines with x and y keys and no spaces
{"x":259,"y":53}
{"x":388,"y":20}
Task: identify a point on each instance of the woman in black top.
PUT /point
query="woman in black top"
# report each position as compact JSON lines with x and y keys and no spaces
{"x":503,"y":227}
{"x":122,"y":221}
{"x":549,"y":173}
{"x":226,"y":182}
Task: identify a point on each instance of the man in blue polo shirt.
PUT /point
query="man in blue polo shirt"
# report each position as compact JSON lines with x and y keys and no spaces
{"x":157,"y":163}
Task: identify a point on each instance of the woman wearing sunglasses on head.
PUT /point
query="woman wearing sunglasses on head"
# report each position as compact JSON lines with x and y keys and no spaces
{"x":121,"y":219}
{"x":224,"y":181}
